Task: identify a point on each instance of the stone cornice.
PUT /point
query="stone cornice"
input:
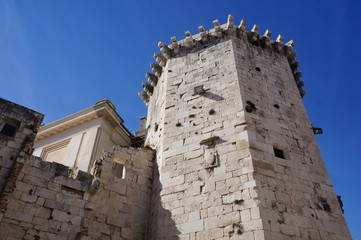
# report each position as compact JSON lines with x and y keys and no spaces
{"x":208,"y":36}
{"x":101,"y":109}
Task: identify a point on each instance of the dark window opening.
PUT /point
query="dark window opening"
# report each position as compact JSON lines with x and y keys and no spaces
{"x":8,"y":130}
{"x":325,"y":204}
{"x":199,"y":90}
{"x":118,"y":170}
{"x":326,"y":207}
{"x":278,"y":153}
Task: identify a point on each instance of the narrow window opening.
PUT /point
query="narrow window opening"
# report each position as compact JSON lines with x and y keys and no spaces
{"x":118,"y":170}
{"x":8,"y":130}
{"x":325,"y":204}
{"x":199,"y":90}
{"x":278,"y":153}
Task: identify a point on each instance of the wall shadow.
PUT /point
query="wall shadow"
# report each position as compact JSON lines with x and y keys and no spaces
{"x":213,"y":96}
{"x":161,"y":225}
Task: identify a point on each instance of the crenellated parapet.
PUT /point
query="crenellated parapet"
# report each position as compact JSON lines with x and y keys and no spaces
{"x":177,"y":47}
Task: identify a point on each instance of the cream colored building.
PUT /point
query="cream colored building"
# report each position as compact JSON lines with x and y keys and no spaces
{"x":79,"y":139}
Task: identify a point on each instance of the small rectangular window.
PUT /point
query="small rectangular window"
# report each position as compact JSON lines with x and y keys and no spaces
{"x":118,"y":170}
{"x":278,"y":153}
{"x":199,"y":90}
{"x":8,"y":130}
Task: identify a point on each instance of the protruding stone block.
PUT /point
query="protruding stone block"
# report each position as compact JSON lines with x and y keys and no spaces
{"x":153,"y":79}
{"x":300,"y":84}
{"x":203,"y":34}
{"x":265,"y":39}
{"x":217,"y":28}
{"x":242,"y":29}
{"x":302,"y":92}
{"x":157,"y":69}
{"x":297,"y":76}
{"x":280,"y":38}
{"x":230,"y":25}
{"x":278,"y":44}
{"x":164,"y":49}
{"x":290,"y":43}
{"x":144,"y":96}
{"x":189,"y":40}
{"x":253,"y":34}
{"x":268,"y":33}
{"x":84,"y":177}
{"x":294,"y":66}
{"x":288,"y":47}
{"x":175,"y":45}
{"x":242,"y":25}
{"x":160,"y":59}
{"x":59,"y":169}
{"x":255,"y":28}
{"x":148,"y":88}
{"x":292,"y":56}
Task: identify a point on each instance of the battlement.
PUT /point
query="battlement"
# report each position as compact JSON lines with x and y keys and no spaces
{"x":211,"y":36}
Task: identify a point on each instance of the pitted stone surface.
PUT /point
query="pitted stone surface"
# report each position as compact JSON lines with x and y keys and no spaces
{"x":236,"y":183}
{"x":229,"y":154}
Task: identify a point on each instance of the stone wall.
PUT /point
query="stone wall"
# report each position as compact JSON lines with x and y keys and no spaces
{"x":18,"y":128}
{"x":297,"y":197}
{"x":204,"y":188}
{"x":47,"y":204}
{"x":236,"y":154}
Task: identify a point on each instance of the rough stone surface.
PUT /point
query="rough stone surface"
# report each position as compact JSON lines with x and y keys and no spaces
{"x":216,"y":150}
{"x":229,"y":154}
{"x":44,"y":205}
{"x":16,"y":145}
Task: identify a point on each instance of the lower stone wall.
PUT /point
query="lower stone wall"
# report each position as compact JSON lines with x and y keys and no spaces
{"x":47,"y":204}
{"x":15,"y":143}
{"x":121,"y":205}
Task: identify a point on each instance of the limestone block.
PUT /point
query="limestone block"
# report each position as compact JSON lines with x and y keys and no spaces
{"x":11,"y":231}
{"x":115,"y":221}
{"x":332,"y":227}
{"x":211,"y":223}
{"x":56,"y":205}
{"x":45,"y":193}
{"x":289,"y":230}
{"x":34,"y":181}
{"x":255,"y":213}
{"x":245,"y":236}
{"x":253,"y":225}
{"x":17,"y":215}
{"x":75,"y":202}
{"x":42,"y":212}
{"x":314,"y":234}
{"x":59,"y":169}
{"x":24,"y":187}
{"x":26,"y":197}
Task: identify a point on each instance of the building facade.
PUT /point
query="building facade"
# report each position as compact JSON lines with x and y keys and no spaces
{"x":79,"y":139}
{"x":228,"y":152}
{"x":235,"y":149}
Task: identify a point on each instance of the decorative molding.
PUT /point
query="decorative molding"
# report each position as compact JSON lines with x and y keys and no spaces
{"x":53,"y":148}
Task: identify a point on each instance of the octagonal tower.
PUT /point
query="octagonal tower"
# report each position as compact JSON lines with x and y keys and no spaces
{"x":236,"y":152}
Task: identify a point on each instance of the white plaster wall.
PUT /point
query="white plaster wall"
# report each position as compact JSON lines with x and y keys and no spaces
{"x":81,"y":145}
{"x":86,"y":143}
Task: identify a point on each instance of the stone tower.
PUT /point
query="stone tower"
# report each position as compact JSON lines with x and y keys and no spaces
{"x":236,"y":152}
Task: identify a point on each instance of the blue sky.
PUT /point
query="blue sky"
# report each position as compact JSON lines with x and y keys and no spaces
{"x":59,"y":57}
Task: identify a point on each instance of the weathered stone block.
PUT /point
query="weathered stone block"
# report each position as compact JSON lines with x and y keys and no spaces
{"x":189,"y":227}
